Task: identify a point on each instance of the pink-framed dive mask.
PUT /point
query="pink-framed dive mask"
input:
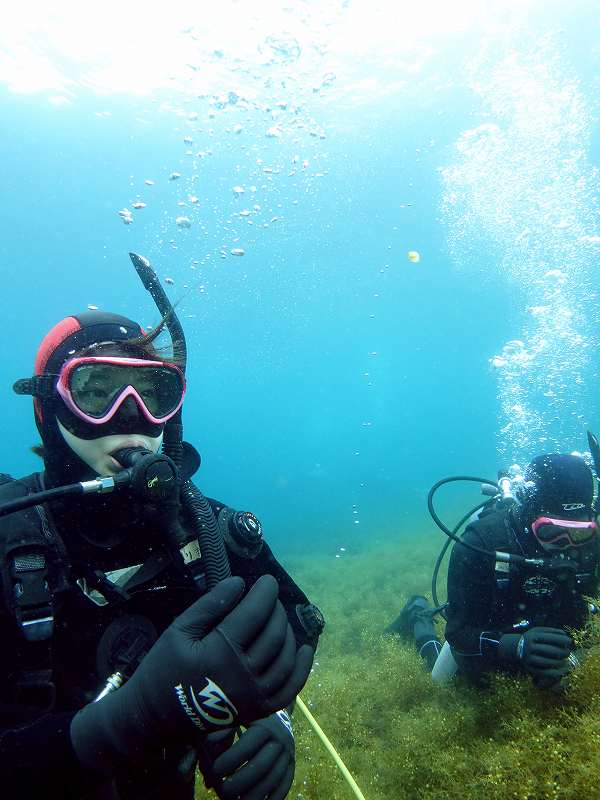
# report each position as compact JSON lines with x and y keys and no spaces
{"x":95,"y":387}
{"x":557,"y":534}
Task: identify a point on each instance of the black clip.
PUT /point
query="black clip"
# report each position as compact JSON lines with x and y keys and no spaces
{"x":38,"y":386}
{"x":31,"y":595}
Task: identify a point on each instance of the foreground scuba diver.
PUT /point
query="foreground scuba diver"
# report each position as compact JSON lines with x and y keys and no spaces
{"x":100,"y":593}
{"x":512,"y":598}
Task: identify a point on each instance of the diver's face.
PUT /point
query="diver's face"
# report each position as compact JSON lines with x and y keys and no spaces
{"x":97,"y":453}
{"x":95,"y":444}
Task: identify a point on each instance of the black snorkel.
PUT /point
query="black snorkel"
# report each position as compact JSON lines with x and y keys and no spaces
{"x":173,"y":434}
{"x":594,"y":446}
{"x":206,"y":539}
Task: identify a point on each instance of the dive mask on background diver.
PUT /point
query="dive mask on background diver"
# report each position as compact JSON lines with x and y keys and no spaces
{"x":556,"y":534}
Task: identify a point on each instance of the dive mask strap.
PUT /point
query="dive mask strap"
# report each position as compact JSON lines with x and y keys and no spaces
{"x":41,"y":386}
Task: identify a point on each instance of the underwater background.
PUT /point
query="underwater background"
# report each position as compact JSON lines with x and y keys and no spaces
{"x":381,"y":222}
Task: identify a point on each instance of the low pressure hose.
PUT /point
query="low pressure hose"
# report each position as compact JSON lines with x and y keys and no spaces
{"x":212,"y":546}
{"x":447,"y":544}
{"x":535,"y":564}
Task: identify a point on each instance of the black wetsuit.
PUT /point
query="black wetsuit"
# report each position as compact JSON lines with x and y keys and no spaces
{"x":487,"y":600}
{"x":36,"y":756}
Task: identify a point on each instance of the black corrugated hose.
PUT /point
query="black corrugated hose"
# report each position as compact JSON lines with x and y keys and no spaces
{"x":212,"y":546}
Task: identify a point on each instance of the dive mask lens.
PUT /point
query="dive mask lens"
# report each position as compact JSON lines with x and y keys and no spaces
{"x":95,"y":388}
{"x":559,"y":533}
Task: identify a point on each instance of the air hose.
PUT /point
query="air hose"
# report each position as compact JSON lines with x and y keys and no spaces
{"x":447,"y":544}
{"x":502,"y":492}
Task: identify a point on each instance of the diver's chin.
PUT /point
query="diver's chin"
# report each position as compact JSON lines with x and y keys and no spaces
{"x":98,"y":454}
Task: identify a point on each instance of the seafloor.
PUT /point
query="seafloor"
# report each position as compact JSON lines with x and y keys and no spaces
{"x":403,"y":737}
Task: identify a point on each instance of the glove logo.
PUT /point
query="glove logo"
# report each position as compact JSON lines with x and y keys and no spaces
{"x":183,"y":700}
{"x":285,"y":720}
{"x":213,"y":705}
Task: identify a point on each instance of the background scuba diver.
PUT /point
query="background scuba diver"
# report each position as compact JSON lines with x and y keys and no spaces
{"x":88,"y":586}
{"x":504,"y":615}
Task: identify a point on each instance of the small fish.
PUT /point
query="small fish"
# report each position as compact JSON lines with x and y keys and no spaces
{"x":183,"y":222}
{"x":237,"y":251}
{"x":148,"y":182}
{"x":174,"y":176}
{"x":170,"y":281}
{"x":138,"y":204}
{"x":92,"y":307}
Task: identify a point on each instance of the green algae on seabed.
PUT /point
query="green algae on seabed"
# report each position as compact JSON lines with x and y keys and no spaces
{"x":401,"y":736}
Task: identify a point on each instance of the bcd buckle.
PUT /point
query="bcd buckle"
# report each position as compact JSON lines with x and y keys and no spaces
{"x":31,"y":595}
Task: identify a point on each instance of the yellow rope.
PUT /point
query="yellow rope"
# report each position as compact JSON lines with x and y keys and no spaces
{"x":342,"y":767}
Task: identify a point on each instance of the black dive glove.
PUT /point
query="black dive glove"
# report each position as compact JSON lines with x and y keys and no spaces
{"x":542,"y":652}
{"x":260,"y":765}
{"x":224,"y":660}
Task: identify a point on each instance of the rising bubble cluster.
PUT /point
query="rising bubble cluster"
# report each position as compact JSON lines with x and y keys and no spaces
{"x":521,"y":186}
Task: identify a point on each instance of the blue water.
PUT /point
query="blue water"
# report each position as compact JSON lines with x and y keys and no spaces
{"x":331,"y":380}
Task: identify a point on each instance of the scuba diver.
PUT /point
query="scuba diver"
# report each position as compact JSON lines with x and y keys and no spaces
{"x":518,"y":578}
{"x":141,"y":623}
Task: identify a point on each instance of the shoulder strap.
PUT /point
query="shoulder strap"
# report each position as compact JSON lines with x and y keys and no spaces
{"x":30,"y":571}
{"x":29,"y":565}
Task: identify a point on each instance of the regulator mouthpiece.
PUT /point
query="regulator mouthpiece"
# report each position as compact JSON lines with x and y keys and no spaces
{"x":153,"y":476}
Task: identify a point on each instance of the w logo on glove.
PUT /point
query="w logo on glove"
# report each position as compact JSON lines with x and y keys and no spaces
{"x":212,"y":704}
{"x":285,"y":720}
